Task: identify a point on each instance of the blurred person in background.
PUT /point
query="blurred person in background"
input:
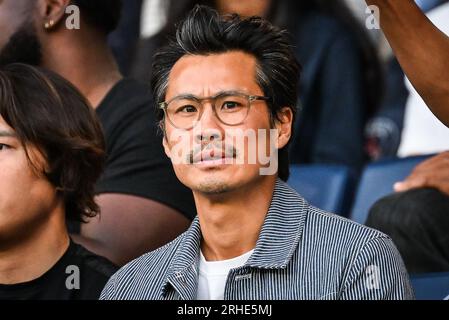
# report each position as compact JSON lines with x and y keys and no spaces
{"x":52,"y":152}
{"x":143,"y":204}
{"x":416,"y":218}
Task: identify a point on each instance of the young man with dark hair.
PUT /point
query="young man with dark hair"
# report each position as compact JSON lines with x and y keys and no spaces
{"x":223,"y":80}
{"x":143,"y":204}
{"x":51,"y":155}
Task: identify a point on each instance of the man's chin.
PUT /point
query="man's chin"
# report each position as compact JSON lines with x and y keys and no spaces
{"x":213,"y":186}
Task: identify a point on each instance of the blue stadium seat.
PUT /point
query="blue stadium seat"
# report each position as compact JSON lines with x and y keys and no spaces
{"x":431,"y":286}
{"x":377,"y":181}
{"x":327,"y":187}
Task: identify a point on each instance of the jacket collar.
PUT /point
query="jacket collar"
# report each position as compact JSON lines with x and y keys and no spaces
{"x":282,"y":229}
{"x":279,"y":237}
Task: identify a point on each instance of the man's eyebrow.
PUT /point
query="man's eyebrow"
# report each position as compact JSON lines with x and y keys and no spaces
{"x":4,"y":133}
{"x":185,"y":96}
{"x":224,"y":92}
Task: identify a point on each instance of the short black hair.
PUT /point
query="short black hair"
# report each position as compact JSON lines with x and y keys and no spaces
{"x":101,"y":14}
{"x":205,"y":32}
{"x":47,"y":112}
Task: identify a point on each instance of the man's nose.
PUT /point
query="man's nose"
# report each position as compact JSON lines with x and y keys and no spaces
{"x":209,"y":127}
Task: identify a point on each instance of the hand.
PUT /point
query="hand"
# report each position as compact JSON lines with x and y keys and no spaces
{"x":432,"y":173}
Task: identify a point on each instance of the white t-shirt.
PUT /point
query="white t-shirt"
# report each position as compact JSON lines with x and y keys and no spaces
{"x":423,"y":133}
{"x":213,"y":275}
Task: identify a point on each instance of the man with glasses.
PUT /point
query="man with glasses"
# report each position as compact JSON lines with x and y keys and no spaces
{"x":227,"y":92}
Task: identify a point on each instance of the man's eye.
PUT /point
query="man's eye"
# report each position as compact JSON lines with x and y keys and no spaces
{"x":186,"y":109}
{"x":3,"y":147}
{"x":230,"y":105}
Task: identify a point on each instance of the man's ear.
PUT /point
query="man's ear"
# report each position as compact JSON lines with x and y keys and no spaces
{"x":164,"y":139}
{"x":52,"y":13}
{"x":283,"y":124}
{"x":166,"y":147}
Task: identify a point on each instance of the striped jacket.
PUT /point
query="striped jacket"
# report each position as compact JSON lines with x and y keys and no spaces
{"x":302,"y":253}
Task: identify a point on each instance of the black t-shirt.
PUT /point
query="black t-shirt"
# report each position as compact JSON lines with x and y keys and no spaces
{"x":136,"y":161}
{"x":78,"y":275}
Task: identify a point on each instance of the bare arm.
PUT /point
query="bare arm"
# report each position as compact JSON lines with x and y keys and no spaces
{"x":130,"y":226}
{"x":422,"y":50}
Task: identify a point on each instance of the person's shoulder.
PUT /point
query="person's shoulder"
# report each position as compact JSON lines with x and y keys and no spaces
{"x":127,"y":113}
{"x":127,"y":97}
{"x":358,"y":255}
{"x":340,"y":222}
{"x":91,"y":270}
{"x":131,"y":89}
{"x":145,"y":274}
{"x":320,"y":224}
{"x":340,"y":229}
{"x":93,"y":264}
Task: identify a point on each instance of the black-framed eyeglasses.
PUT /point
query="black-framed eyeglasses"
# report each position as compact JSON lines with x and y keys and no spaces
{"x":231,"y":108}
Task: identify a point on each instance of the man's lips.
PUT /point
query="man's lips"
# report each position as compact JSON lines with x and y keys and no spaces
{"x":211,"y":155}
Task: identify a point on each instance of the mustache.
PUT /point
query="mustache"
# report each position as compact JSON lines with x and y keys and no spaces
{"x":195,"y":153}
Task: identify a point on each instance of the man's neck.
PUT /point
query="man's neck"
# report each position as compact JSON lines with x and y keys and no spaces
{"x":35,"y":253}
{"x":86,"y":62}
{"x":231,"y":222}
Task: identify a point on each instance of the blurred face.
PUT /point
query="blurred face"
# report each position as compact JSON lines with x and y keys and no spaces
{"x":26,"y":199}
{"x":214,"y":157}
{"x":18,"y":38}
